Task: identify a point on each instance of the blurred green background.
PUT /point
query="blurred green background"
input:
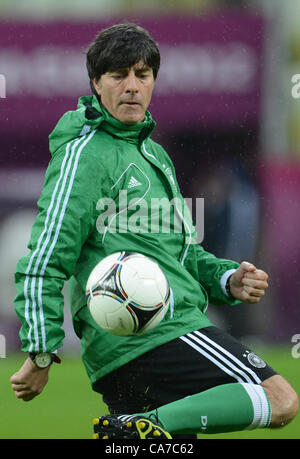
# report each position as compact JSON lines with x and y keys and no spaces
{"x":66,"y":408}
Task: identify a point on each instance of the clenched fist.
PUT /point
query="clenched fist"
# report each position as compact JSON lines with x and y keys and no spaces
{"x":248,"y":283}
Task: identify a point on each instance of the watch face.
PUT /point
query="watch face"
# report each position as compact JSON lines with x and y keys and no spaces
{"x":43,"y":360}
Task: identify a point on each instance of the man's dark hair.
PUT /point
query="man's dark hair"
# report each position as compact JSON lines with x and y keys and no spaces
{"x":121,"y":46}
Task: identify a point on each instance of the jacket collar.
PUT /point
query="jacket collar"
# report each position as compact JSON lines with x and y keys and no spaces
{"x":136,"y":133}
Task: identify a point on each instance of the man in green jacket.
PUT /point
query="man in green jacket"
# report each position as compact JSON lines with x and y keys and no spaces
{"x":188,"y":373}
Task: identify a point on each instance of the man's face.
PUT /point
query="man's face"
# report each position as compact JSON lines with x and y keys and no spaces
{"x":126,"y":93}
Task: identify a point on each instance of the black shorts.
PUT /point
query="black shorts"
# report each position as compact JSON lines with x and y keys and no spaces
{"x":187,"y":365}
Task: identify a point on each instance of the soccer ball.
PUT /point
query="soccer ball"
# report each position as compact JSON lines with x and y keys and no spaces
{"x":127,"y":294}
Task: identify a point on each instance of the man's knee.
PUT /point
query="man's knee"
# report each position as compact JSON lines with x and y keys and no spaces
{"x":283,"y":400}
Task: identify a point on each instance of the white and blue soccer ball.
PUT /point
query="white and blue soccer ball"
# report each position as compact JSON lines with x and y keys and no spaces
{"x":127,"y":294}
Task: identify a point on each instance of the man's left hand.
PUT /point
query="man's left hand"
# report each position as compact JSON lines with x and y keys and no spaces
{"x":248,"y":283}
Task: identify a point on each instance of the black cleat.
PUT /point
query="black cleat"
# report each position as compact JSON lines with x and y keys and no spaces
{"x":128,"y":426}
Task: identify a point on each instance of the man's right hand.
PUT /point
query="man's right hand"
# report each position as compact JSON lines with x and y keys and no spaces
{"x":29,"y":381}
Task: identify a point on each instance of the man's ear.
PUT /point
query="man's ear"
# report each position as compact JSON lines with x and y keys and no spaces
{"x":97,"y":86}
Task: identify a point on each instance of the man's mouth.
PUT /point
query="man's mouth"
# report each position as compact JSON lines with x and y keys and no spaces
{"x":131,"y":103}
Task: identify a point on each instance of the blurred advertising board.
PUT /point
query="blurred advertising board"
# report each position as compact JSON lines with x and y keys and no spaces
{"x":210,"y":75}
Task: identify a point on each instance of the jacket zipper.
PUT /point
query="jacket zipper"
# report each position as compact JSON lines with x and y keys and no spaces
{"x":184,"y":251}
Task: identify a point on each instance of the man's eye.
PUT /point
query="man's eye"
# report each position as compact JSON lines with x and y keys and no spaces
{"x":143,"y":75}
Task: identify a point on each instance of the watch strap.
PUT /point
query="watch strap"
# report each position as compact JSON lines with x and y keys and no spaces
{"x":227,"y":288}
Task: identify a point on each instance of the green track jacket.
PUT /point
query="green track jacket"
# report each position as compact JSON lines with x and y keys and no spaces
{"x":109,"y":188}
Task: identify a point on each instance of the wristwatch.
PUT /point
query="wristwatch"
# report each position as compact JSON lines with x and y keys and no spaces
{"x":43,"y":359}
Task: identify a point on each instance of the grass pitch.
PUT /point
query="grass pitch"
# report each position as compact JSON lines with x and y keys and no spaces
{"x":67,"y":406}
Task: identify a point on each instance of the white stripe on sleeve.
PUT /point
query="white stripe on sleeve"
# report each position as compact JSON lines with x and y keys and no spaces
{"x":36,"y":302}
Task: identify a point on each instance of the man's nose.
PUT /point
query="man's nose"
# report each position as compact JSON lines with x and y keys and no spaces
{"x":131,"y":83}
